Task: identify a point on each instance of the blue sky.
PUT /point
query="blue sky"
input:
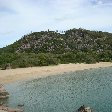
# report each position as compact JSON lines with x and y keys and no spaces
{"x":20,"y":17}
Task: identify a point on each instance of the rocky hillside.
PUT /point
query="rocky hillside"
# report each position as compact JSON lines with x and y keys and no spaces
{"x":49,"y":48}
{"x":70,"y":41}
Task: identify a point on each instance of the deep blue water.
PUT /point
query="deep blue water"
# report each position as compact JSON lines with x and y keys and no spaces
{"x":65,"y":92}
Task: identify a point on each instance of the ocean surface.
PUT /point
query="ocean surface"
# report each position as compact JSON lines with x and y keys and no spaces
{"x":65,"y":92}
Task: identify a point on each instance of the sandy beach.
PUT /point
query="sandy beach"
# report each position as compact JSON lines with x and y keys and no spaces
{"x":13,"y":75}
{"x":2,"y":111}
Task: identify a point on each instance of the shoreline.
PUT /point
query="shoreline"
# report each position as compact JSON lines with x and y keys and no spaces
{"x":12,"y":75}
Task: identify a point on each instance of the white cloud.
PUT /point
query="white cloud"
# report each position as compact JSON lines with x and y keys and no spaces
{"x":22,"y":16}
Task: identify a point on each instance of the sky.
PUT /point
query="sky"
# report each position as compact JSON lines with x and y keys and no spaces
{"x":20,"y":17}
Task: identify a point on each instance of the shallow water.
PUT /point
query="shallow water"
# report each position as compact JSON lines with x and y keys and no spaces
{"x":65,"y":93}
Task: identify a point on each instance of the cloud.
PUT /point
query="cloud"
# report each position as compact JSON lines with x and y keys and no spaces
{"x":23,"y":16}
{"x":6,"y":10}
{"x":101,"y":2}
{"x":6,"y":33}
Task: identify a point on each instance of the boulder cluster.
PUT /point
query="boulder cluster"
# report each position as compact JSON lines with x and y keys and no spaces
{"x":3,"y":93}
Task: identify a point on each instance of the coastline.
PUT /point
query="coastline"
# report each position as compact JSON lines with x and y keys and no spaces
{"x":13,"y":75}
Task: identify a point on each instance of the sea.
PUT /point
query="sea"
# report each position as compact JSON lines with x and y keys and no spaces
{"x":64,"y":92}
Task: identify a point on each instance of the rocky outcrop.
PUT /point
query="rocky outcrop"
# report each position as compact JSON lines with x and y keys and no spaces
{"x":8,"y":109}
{"x":84,"y":109}
{"x":3,"y":93}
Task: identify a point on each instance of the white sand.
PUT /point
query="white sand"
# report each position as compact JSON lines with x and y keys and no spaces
{"x":13,"y":75}
{"x":2,"y":111}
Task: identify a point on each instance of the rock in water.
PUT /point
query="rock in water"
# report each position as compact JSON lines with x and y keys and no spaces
{"x":3,"y":93}
{"x":84,"y":109}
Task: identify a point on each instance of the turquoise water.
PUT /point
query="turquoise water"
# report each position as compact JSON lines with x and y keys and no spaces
{"x":65,"y":92}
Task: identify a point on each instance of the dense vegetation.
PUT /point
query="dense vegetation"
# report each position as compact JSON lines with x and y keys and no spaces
{"x":49,"y":48}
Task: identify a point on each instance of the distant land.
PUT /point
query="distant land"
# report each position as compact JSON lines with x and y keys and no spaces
{"x":51,"y":48}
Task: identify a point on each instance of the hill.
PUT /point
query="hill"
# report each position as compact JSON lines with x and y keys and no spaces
{"x":50,"y":47}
